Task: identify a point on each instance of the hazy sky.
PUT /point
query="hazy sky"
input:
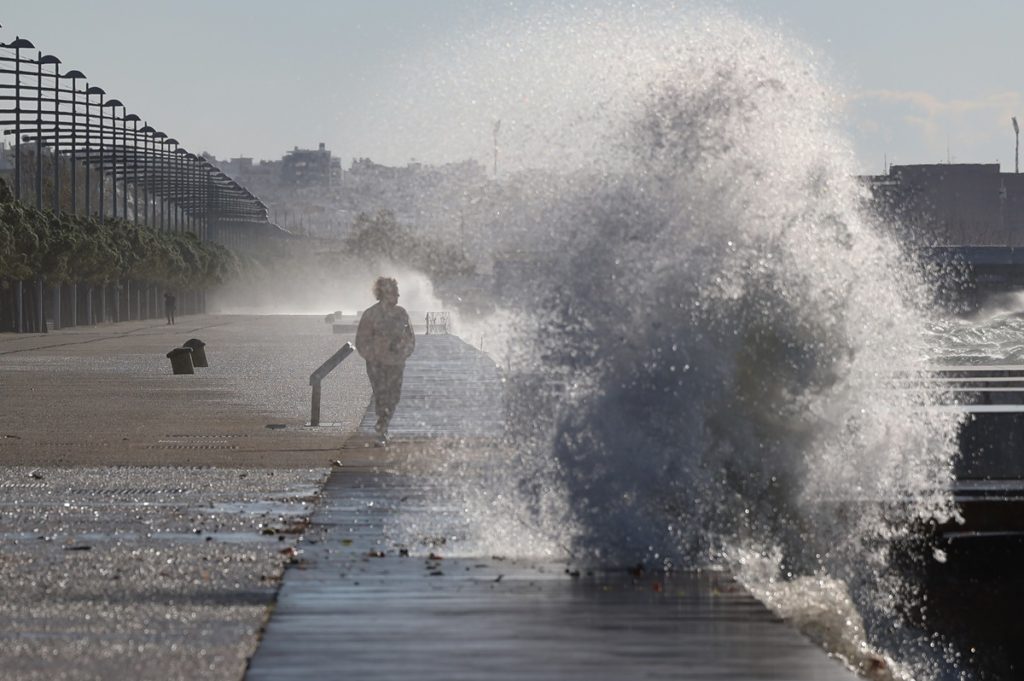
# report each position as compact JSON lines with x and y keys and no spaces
{"x":924,"y":80}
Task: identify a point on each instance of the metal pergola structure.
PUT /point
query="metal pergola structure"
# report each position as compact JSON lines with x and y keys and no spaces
{"x":61,"y":113}
{"x":112,"y":163}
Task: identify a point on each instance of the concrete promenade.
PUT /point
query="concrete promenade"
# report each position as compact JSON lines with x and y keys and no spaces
{"x":105,"y":395}
{"x":146,"y":520}
{"x":363,"y":604}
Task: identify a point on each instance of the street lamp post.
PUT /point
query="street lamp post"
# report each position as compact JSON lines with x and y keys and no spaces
{"x":148,"y":145}
{"x":207,"y":180}
{"x":135,"y":168}
{"x":109,"y":104}
{"x":74,"y":76}
{"x":148,"y":131}
{"x":39,"y":133}
{"x":18,"y":45}
{"x":102,"y":170}
{"x":124,"y":161}
{"x":47,"y":59}
{"x":89,"y":92}
{"x":191,"y":165}
{"x":112,"y":104}
{"x":188,"y":215}
{"x":188,"y":211}
{"x":55,"y":160}
{"x":160,"y":170}
{"x":179,"y":203}
{"x":135,"y":194}
{"x":172,"y":173}
{"x":40,"y":320}
{"x":50,"y":59}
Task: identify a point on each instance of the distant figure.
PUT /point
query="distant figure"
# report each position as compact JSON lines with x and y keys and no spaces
{"x":170,"y":304}
{"x":385,"y":340}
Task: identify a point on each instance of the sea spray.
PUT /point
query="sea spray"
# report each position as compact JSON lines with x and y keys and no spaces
{"x":701,"y":360}
{"x":318,"y":283}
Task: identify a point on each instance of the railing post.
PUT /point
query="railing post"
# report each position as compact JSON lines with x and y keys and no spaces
{"x":318,"y":376}
{"x":314,"y":413}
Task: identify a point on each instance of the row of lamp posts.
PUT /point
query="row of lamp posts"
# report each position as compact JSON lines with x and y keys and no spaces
{"x":181,"y":191}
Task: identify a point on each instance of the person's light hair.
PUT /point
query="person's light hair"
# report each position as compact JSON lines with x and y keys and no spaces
{"x":384,"y":285}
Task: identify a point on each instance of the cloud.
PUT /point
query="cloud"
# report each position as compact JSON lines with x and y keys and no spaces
{"x":935,"y":107}
{"x":922,"y":126}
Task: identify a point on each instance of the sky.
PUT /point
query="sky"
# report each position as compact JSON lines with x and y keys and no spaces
{"x":921,"y":81}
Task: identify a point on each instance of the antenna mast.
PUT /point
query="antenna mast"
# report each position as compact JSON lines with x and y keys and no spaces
{"x":1016,"y":148}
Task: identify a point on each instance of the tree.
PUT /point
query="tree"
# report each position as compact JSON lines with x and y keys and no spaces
{"x":381,"y":236}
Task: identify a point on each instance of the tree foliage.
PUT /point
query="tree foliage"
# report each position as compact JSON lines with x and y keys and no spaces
{"x":382,"y":237}
{"x":65,"y":248}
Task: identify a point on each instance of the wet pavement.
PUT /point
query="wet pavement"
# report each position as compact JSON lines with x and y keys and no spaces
{"x":142,"y":573}
{"x":450,"y":390}
{"x":363,"y":604}
{"x":357,"y":607}
{"x":145,"y":520}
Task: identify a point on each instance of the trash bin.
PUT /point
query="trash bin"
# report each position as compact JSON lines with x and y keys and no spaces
{"x":198,"y":352}
{"x":181,"y":360}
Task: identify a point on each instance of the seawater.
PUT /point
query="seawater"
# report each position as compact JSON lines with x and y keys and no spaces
{"x":993,"y":335}
{"x":700,"y":345}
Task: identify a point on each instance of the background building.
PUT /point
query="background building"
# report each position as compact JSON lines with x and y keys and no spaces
{"x":963,"y":204}
{"x":968,"y":215}
{"x":310,"y":167}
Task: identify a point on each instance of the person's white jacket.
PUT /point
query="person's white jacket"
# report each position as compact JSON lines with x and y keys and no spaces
{"x":384,"y":335}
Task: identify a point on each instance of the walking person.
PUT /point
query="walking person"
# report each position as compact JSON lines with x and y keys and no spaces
{"x":384,"y":338}
{"x":170,"y":304}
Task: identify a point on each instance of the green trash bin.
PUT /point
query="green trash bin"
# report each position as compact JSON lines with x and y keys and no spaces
{"x":181,"y":360}
{"x":198,"y":352}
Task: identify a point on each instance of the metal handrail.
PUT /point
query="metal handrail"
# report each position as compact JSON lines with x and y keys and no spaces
{"x":320,"y":374}
{"x":439,"y":323}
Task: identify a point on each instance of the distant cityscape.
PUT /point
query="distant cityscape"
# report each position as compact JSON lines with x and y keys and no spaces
{"x":307,"y":191}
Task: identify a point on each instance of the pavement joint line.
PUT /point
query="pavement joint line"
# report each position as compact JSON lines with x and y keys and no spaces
{"x":96,"y":340}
